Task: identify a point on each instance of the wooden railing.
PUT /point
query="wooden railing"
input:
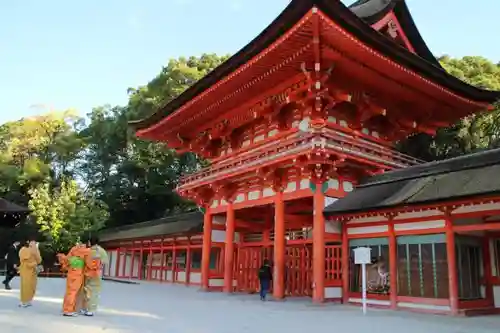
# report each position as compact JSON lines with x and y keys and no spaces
{"x":355,"y":148}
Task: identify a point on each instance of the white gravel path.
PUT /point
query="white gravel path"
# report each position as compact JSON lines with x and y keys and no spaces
{"x":151,"y":307}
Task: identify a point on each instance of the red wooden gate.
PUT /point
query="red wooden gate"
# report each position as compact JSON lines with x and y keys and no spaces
{"x":298,"y":270}
{"x":248,"y":261}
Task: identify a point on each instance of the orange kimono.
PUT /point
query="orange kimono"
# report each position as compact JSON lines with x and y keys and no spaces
{"x":74,"y":263}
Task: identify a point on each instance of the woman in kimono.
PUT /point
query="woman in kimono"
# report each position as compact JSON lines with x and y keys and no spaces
{"x":29,"y":259}
{"x":93,"y":269}
{"x":74,"y":263}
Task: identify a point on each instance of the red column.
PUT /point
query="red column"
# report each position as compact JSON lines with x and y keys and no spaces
{"x":150,"y":264}
{"x":141,"y":260}
{"x":132,"y":262}
{"x":229,"y":246}
{"x":162,"y":264}
{"x":124,"y":263}
{"x":206,"y":249}
{"x":318,"y":234}
{"x":345,"y":264}
{"x":279,"y":247}
{"x":452,"y":266}
{"x":393,"y":266}
{"x":174,"y":263}
{"x":188,"y":264}
{"x":117,"y":265}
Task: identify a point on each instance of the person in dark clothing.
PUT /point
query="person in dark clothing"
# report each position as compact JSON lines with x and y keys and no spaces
{"x":12,"y":264}
{"x":265,"y":279}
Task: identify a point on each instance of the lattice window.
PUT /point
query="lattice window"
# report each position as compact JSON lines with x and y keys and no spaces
{"x":333,"y":259}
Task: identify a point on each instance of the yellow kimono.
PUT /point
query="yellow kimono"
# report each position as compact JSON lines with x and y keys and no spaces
{"x":29,"y":258}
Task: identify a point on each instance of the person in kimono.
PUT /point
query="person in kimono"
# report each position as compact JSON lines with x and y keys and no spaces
{"x":93,"y":270}
{"x":29,"y":259}
{"x":74,"y":264}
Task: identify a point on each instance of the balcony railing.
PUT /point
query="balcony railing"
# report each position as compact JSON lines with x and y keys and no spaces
{"x":357,"y":149}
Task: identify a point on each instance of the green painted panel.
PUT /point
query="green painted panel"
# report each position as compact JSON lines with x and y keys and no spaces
{"x":369,"y":241}
{"x":324,"y":187}
{"x":422,"y":239}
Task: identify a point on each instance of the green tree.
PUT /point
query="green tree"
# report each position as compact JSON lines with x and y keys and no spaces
{"x":473,"y":133}
{"x":38,"y":148}
{"x":39,"y":160}
{"x":136,"y":178}
{"x":64,"y":213}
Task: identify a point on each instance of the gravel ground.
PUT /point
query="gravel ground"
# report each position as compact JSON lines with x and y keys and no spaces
{"x":150,"y":307}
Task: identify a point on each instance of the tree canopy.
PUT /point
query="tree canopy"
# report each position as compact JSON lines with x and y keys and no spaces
{"x":470,"y":134}
{"x":80,"y":174}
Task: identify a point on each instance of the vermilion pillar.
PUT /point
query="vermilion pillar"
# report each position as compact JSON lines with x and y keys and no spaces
{"x":318,"y":234}
{"x":393,"y":266}
{"x":117,"y":265}
{"x":229,"y":252}
{"x":345,"y":264}
{"x":452,"y":266}
{"x":206,"y":249}
{"x":279,"y":247}
{"x":188,"y":263}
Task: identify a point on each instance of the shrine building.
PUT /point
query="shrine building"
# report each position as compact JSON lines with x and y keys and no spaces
{"x":291,"y":124}
{"x":435,"y":227}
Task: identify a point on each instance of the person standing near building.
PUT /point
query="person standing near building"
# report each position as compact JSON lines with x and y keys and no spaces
{"x":74,"y":264}
{"x":12,"y":263}
{"x":265,"y":279}
{"x":29,"y":259}
{"x":93,"y":270}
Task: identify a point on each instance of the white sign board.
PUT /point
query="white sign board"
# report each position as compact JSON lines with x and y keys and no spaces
{"x":362,"y":255}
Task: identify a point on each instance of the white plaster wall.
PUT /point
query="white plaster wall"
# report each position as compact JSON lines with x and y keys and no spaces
{"x":195,"y":277}
{"x":423,"y":306}
{"x":220,"y":236}
{"x":420,"y":225}
{"x":367,"y":230}
{"x":219,"y":282}
{"x":424,"y":213}
{"x":219,"y":219}
{"x":333,"y":227}
{"x":128,"y":264}
{"x":181,"y":276}
{"x":113,"y":261}
{"x":370,"y":301}
{"x":496,"y":296}
{"x":367,"y":219}
{"x":477,"y":208}
{"x":333,"y":292}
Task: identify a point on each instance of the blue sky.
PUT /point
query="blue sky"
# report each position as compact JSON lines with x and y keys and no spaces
{"x":80,"y":54}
